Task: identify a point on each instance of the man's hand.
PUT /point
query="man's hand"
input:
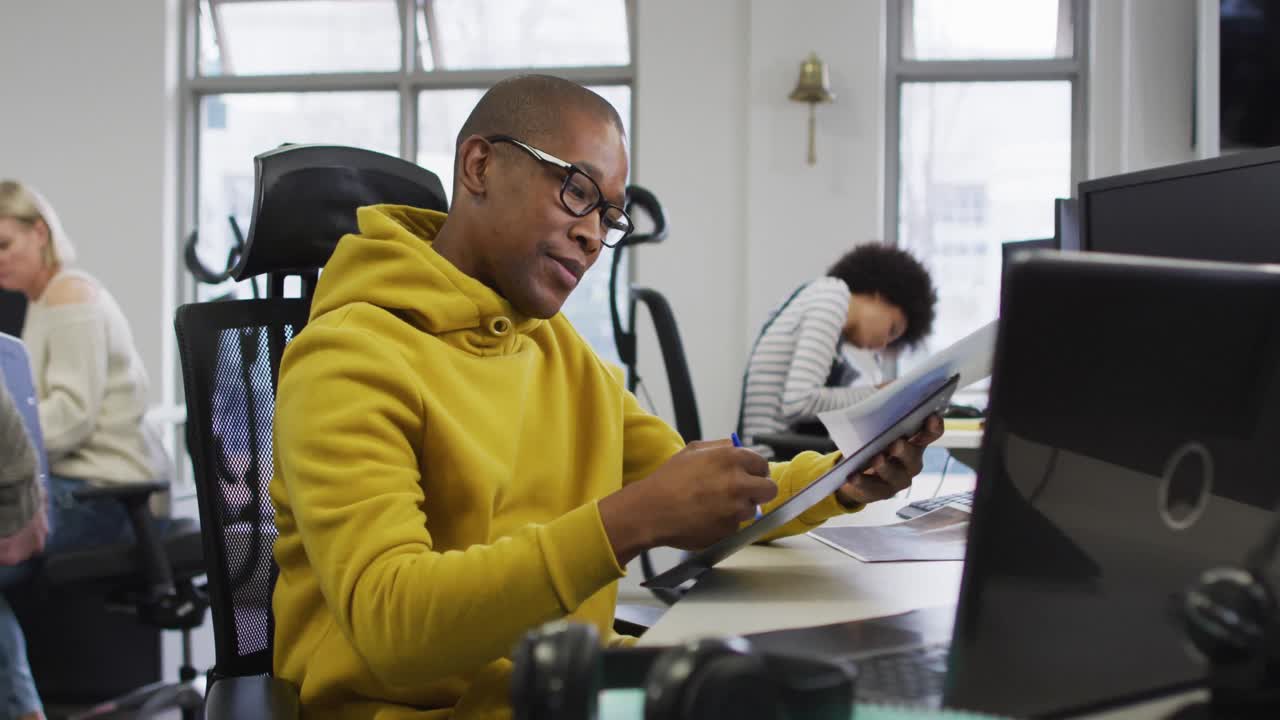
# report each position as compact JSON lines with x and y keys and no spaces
{"x":697,"y":497}
{"x":891,"y":471}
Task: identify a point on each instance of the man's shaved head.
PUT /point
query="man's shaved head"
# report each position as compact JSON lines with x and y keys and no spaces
{"x":531,"y":108}
{"x":509,"y":225}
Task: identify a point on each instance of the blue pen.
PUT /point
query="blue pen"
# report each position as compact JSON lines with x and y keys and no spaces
{"x":738,"y":443}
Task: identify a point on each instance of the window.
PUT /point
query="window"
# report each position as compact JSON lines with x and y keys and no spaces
{"x":985,"y":128}
{"x":395,"y":76}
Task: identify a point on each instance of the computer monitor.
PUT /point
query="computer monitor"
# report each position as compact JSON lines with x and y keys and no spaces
{"x":1108,"y":483}
{"x":13,"y":312}
{"x":1010,"y":249}
{"x":1219,"y":209}
{"x":1066,"y":224}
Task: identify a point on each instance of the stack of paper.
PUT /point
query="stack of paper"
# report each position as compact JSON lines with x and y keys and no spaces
{"x":853,"y":427}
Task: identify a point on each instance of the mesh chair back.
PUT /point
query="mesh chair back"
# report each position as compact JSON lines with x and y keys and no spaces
{"x":305,"y":199}
{"x":230,"y":363}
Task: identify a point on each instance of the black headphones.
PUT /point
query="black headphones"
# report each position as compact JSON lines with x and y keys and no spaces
{"x":1231,"y":616}
{"x":560,"y":669}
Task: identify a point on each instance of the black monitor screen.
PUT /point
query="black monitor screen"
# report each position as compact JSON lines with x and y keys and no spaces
{"x":1066,"y":225}
{"x":1224,"y":209}
{"x":1010,"y":249}
{"x":13,"y":312}
{"x":1249,"y":70}
{"x":1109,"y":481}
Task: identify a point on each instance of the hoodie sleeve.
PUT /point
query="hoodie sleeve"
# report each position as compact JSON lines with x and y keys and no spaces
{"x":349,"y":429}
{"x":649,"y":442}
{"x":794,"y":476}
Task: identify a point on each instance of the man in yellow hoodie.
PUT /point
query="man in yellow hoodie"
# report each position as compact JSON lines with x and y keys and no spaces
{"x":453,"y":464}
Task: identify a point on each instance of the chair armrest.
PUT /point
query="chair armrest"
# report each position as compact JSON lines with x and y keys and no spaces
{"x":253,"y":696}
{"x":135,"y":498}
{"x":125,"y":493}
{"x":798,"y":441}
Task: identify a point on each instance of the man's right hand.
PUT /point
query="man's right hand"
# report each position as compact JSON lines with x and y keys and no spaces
{"x":697,"y":497}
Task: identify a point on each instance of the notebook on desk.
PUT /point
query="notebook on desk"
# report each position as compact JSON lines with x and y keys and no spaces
{"x":1114,"y":472}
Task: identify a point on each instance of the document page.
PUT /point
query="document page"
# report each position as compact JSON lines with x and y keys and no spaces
{"x":937,"y":535}
{"x":970,"y":358}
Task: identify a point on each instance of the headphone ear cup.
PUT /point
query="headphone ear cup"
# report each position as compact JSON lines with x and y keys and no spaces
{"x":708,"y":679}
{"x":731,"y":686}
{"x":555,"y":673}
{"x":1227,"y":613}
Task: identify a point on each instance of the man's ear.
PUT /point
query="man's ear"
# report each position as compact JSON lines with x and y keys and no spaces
{"x":475,"y":156}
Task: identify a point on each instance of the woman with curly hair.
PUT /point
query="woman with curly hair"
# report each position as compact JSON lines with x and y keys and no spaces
{"x":874,"y":298}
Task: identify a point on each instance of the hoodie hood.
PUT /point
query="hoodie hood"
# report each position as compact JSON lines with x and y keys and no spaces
{"x":392,"y":265}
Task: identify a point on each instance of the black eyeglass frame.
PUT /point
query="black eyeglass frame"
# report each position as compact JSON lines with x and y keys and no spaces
{"x":570,"y":171}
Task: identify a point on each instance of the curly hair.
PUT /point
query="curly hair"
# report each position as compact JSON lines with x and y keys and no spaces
{"x":899,"y":278}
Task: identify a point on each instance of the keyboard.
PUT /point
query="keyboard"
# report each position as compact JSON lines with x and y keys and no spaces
{"x":920,"y":507}
{"x":914,"y":676}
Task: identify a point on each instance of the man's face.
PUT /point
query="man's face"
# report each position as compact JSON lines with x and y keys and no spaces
{"x":538,"y":250}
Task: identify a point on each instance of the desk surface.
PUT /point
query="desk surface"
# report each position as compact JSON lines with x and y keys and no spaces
{"x":798,"y":582}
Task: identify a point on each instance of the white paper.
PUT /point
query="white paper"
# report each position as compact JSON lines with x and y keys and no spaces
{"x":853,"y":427}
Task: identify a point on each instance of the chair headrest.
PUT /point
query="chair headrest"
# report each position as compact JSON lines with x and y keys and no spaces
{"x":305,"y":200}
{"x":641,"y":199}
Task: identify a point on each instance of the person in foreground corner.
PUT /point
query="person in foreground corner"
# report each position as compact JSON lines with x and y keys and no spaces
{"x":454,"y":465}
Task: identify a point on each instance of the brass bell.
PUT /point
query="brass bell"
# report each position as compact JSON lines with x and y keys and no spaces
{"x":813,"y":87}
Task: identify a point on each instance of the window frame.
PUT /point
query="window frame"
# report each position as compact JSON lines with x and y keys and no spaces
{"x":408,"y":82}
{"x":900,"y":70}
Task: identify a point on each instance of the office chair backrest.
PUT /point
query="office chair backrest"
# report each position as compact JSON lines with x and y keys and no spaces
{"x":13,"y":312}
{"x":641,"y":201}
{"x":305,"y":197}
{"x":230,"y":360}
{"x":305,"y":200}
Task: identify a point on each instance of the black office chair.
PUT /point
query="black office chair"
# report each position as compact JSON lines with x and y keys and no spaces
{"x":684,"y":404}
{"x":152,"y":578}
{"x":13,"y":312}
{"x":634,"y":619}
{"x":305,"y":200}
{"x":789,"y":443}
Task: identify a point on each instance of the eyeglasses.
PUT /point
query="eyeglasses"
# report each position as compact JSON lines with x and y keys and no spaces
{"x":580,"y":194}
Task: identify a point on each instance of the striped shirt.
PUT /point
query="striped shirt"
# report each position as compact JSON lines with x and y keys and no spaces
{"x":789,"y":366}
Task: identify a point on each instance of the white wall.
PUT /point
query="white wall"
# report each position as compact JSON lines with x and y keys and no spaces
{"x":719,"y":142}
{"x":1142,"y":73}
{"x":88,"y":117}
{"x":724,"y":149}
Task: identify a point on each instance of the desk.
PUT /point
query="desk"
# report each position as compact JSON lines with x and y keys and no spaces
{"x":797,"y":581}
{"x":952,"y":439}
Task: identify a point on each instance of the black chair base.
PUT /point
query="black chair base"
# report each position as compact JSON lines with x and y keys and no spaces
{"x":148,"y":701}
{"x":253,"y":696}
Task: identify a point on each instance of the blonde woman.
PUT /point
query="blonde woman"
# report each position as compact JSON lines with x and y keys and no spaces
{"x":92,"y":393}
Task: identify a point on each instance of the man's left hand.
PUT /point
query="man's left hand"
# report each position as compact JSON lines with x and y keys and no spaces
{"x":891,"y":471}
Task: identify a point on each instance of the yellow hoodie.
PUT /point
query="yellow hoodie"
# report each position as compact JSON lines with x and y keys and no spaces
{"x":438,"y":459}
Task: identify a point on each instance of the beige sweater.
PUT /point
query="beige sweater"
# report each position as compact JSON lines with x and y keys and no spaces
{"x":93,"y":391}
